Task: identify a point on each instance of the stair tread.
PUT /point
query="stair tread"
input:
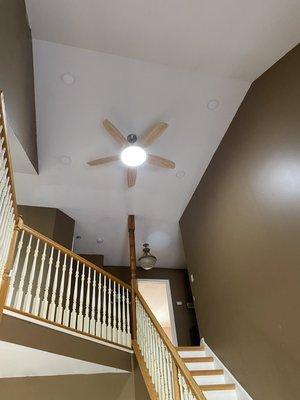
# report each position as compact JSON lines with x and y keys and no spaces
{"x":218,"y":386}
{"x":204,"y":372}
{"x":190,"y":348}
{"x":197,"y":359}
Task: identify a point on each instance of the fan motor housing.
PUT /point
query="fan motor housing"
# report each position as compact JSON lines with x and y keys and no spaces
{"x":132,"y":138}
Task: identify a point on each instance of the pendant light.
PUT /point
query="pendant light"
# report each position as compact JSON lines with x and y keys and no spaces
{"x":147,"y":260}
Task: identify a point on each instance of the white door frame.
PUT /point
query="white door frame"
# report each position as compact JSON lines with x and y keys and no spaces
{"x":170,"y":305}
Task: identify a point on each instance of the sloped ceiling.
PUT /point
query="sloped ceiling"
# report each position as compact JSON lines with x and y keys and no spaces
{"x":134,"y":95}
{"x":209,"y":51}
{"x":232,"y":38}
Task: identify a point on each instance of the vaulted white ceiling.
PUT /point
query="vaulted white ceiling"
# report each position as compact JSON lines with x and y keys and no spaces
{"x":232,"y":38}
{"x":215,"y":41}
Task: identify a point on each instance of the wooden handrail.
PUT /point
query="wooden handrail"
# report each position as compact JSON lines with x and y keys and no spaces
{"x":175,"y":356}
{"x":75,"y":256}
{"x":3,"y":135}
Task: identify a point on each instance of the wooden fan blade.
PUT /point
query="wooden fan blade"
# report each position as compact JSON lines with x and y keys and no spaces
{"x":160,"y":161}
{"x":131,"y":176}
{"x":153,"y":134}
{"x":104,"y":160}
{"x":115,"y":133}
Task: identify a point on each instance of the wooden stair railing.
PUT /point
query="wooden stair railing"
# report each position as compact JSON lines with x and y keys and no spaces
{"x":169,"y":375}
{"x":46,"y":281}
{"x":52,"y":284}
{"x":165,"y":374}
{"x":43,"y":280}
{"x":8,"y":209}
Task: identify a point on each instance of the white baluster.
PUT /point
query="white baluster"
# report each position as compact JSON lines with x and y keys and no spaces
{"x":28,"y":296}
{"x":169,"y":374}
{"x":73,"y":321}
{"x":37,"y":299}
{"x":114,"y":329}
{"x":14,"y":271}
{"x":45,"y":302}
{"x":152,"y":350}
{"x":149,"y":342}
{"x":104,"y":325}
{"x":161,"y":382}
{"x":108,"y":331}
{"x":165,"y":371}
{"x":4,"y":208}
{"x":119,"y":316}
{"x":156,"y":357}
{"x":51,"y":314}
{"x":185,"y":389}
{"x":20,"y":292}
{"x":98,"y":324}
{"x":59,"y":310}
{"x":4,"y":221}
{"x":86,"y":323}
{"x":7,"y":231}
{"x":93,"y":321}
{"x":80,"y":314}
{"x":124,"y":336}
{"x":128,"y":319}
{"x":66,"y":311}
{"x":180,"y":381}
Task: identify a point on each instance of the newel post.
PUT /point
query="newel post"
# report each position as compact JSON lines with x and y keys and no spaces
{"x":132,"y":254}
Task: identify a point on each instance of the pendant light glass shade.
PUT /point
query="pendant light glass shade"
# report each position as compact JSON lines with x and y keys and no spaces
{"x":147,"y":260}
{"x":133,"y":156}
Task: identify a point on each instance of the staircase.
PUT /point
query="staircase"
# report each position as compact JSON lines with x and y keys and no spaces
{"x":210,"y":379}
{"x":59,"y":309}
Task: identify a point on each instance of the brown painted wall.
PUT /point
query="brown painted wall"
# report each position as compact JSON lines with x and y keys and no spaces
{"x":16,"y":74}
{"x":51,"y":222}
{"x":241,"y":234}
{"x":185,"y":319}
{"x":96,"y":259}
{"x":64,"y":229}
{"x":25,"y":333}
{"x":69,"y":387}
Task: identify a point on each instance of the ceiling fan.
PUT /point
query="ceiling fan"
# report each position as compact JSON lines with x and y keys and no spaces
{"x":133,"y":155}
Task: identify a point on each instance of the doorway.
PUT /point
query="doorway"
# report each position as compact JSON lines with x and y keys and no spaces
{"x":157,"y":294}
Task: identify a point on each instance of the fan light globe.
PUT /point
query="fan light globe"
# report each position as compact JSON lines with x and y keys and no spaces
{"x":133,"y":156}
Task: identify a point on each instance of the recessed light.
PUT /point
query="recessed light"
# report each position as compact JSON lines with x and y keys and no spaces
{"x":180,"y":174}
{"x":68,"y":78}
{"x":100,"y":240}
{"x":213,"y":104}
{"x":65,"y":160}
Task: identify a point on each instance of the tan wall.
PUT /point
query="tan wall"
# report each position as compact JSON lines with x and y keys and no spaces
{"x":51,"y":222}
{"x":16,"y":74}
{"x":76,"y":387}
{"x":241,"y":234}
{"x":29,"y":334}
{"x":71,"y":387}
